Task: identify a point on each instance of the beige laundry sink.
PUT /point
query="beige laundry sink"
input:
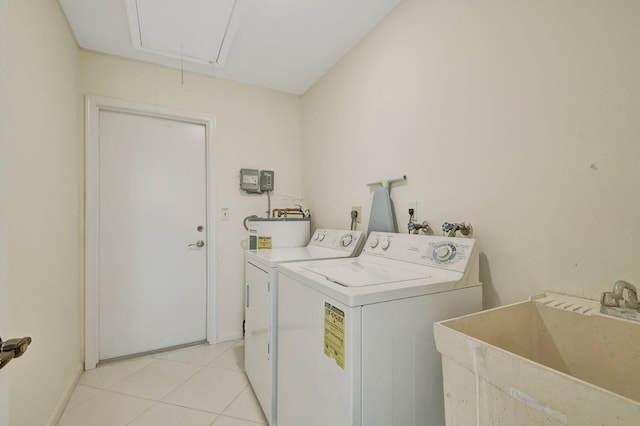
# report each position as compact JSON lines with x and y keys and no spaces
{"x":552,"y":360}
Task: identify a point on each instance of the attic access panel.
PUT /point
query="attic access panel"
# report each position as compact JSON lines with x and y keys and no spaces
{"x":199,"y":31}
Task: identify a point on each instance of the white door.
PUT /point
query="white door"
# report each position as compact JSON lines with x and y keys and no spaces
{"x":152,"y":267}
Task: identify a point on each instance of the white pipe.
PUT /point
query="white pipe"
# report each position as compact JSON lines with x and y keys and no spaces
{"x":386,"y":182}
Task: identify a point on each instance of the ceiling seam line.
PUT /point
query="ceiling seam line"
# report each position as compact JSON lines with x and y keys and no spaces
{"x":226,"y":30}
{"x":139,"y":24}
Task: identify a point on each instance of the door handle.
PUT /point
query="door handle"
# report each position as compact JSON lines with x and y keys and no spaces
{"x":198,"y":244}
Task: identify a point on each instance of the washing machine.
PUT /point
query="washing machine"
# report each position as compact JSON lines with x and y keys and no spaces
{"x":261,"y":310}
{"x":355,"y":336}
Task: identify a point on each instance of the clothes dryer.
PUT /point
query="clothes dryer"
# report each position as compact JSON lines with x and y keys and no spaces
{"x":356,"y":344}
{"x":261,"y":309}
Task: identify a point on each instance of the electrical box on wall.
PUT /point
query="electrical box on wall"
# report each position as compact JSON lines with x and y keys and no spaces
{"x":266,"y":180}
{"x":250,"y":180}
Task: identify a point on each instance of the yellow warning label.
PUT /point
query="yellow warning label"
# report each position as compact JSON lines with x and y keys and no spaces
{"x":264,"y":242}
{"x":334,"y":333}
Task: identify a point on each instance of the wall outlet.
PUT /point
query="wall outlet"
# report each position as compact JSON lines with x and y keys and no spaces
{"x":413,"y":205}
{"x":358,"y":209}
{"x":224,"y":213}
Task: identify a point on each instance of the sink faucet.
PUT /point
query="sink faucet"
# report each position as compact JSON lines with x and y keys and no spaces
{"x":616,"y":297}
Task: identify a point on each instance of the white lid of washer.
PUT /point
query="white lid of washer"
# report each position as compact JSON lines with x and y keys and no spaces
{"x":356,"y":274}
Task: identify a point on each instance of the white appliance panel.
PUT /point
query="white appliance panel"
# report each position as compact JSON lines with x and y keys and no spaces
{"x":391,"y":374}
{"x":399,"y":364}
{"x":261,"y":315}
{"x":425,"y":251}
{"x":305,"y":374}
{"x":269,"y":258}
{"x":355,"y":274}
{"x":278,"y":233}
{"x":259,"y":333}
{"x":432,"y":281}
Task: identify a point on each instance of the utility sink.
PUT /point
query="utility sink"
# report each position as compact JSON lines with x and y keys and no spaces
{"x":552,"y":360}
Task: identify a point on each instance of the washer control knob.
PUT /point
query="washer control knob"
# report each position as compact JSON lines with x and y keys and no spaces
{"x":443,"y":252}
{"x":346,"y":240}
{"x":385,"y":244}
{"x":374,"y":243}
{"x":316,"y":236}
{"x":321,"y":237}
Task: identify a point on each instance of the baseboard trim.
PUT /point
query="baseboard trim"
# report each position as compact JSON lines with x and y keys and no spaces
{"x":229,"y":337}
{"x":64,"y":398}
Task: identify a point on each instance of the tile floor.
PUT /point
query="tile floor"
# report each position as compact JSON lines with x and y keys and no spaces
{"x":199,"y":386}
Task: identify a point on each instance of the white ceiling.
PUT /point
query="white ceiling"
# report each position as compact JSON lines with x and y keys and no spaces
{"x":285,"y":45}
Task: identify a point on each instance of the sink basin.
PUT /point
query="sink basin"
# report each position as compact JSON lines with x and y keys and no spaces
{"x":551,"y":360}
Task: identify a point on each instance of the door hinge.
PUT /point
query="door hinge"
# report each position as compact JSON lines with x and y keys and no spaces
{"x":268,"y":348}
{"x":268,"y":285}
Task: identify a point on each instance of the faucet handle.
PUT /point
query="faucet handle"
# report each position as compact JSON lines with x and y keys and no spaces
{"x":411,"y":226}
{"x":607,"y":298}
{"x":632,"y":294}
{"x":450,"y":229}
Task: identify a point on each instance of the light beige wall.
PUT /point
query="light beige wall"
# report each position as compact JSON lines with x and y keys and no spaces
{"x":43,"y":210}
{"x":521,"y":117}
{"x":255,"y":128}
{"x":4,"y":197}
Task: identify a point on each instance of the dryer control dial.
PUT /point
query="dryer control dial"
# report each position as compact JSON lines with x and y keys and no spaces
{"x":374,"y":243}
{"x":385,"y":244}
{"x":321,"y":237}
{"x":316,"y":236}
{"x":444,"y":252}
{"x":346,"y":240}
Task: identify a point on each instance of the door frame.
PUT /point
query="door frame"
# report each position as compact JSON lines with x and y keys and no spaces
{"x":93,"y":106}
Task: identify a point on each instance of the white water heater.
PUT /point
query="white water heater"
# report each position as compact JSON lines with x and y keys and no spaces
{"x":266,"y":233}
